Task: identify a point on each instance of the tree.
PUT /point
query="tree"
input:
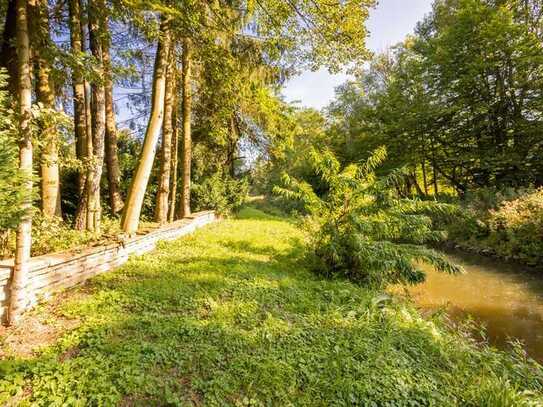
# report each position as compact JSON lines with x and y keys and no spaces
{"x":161,"y":211}
{"x":49,"y":160}
{"x":134,"y":201}
{"x":112,"y":159}
{"x":24,"y":229}
{"x":184,"y":207}
{"x":459,"y":103}
{"x":78,"y":88}
{"x":175,"y":148}
{"x":94,"y":175}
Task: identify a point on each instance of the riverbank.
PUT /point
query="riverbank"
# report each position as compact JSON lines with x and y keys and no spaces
{"x":503,"y":226}
{"x":232,"y":316}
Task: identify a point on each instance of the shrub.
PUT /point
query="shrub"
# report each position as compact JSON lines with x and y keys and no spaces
{"x":516,"y":227}
{"x":220,"y":193}
{"x":52,"y":234}
{"x":507,"y":223}
{"x":361,"y":229}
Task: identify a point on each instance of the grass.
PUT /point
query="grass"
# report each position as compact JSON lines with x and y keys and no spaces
{"x":232,"y":316}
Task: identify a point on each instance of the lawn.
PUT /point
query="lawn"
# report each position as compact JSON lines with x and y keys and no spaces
{"x":232,"y":316}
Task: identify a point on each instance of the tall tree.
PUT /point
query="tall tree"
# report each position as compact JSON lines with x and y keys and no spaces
{"x":24,"y":230}
{"x":94,"y":176}
{"x":134,"y":201}
{"x":161,"y":210}
{"x":112,"y":159}
{"x":81,"y":216}
{"x":49,"y":160}
{"x":175,"y":148}
{"x":78,"y":88}
{"x":184,"y":207}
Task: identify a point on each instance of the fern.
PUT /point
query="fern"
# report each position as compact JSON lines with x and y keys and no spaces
{"x":361,"y":229}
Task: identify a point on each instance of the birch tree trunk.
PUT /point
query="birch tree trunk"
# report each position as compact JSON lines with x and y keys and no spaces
{"x":112,"y":159}
{"x":19,"y":280}
{"x":161,"y":209}
{"x":98,"y":117}
{"x":134,"y":201}
{"x":49,"y":168}
{"x":187,"y":136}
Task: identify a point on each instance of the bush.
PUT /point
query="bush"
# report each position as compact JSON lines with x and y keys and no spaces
{"x":361,"y":229}
{"x":506,"y":223}
{"x":52,"y":234}
{"x":219,"y":193}
{"x":516,"y":228}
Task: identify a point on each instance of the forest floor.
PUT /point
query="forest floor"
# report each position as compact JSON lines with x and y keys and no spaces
{"x":231,"y":315}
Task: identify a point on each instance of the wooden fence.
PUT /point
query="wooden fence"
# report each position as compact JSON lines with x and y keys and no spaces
{"x":54,"y":272}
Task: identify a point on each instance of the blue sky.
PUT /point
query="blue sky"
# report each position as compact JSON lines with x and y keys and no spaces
{"x":388,"y":24}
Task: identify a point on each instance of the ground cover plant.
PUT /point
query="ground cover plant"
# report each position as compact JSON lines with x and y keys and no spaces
{"x":233,"y":316}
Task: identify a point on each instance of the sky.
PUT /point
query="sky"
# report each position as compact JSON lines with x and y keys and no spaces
{"x":388,"y":24}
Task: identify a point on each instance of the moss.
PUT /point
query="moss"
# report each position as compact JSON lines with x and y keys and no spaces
{"x":232,"y":316}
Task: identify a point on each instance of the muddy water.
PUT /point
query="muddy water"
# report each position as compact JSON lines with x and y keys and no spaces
{"x":507,"y":299}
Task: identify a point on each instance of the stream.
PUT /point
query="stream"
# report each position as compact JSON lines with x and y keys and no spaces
{"x":507,"y":299}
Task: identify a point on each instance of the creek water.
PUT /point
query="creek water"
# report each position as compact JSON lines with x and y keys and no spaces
{"x":506,"y":299}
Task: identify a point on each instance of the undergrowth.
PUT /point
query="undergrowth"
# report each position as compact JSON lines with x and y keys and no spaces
{"x":232,"y":316}
{"x":507,"y":224}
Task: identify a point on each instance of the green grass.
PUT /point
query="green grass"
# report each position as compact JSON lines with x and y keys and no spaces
{"x":231,"y":316}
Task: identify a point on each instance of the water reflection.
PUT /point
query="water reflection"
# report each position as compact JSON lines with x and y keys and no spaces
{"x":505,"y":298}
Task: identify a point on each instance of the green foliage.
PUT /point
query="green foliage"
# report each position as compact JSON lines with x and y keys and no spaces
{"x":360,"y":229}
{"x":233,"y":316}
{"x":12,"y":193}
{"x":296,"y":132}
{"x":460,"y":102}
{"x":52,"y":234}
{"x":220,"y":193}
{"x":508,"y":224}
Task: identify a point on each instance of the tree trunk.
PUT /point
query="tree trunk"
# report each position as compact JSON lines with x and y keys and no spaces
{"x":82,"y":208}
{"x":232,"y":147}
{"x":134,"y":201}
{"x":112,"y":159}
{"x":175,"y":147}
{"x":187,"y":137}
{"x":415,"y":182}
{"x":78,"y":86}
{"x":434,"y":170}
{"x":24,"y":230}
{"x":161,"y":209}
{"x":424,"y":177}
{"x":98,"y":118}
{"x":49,"y":168}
